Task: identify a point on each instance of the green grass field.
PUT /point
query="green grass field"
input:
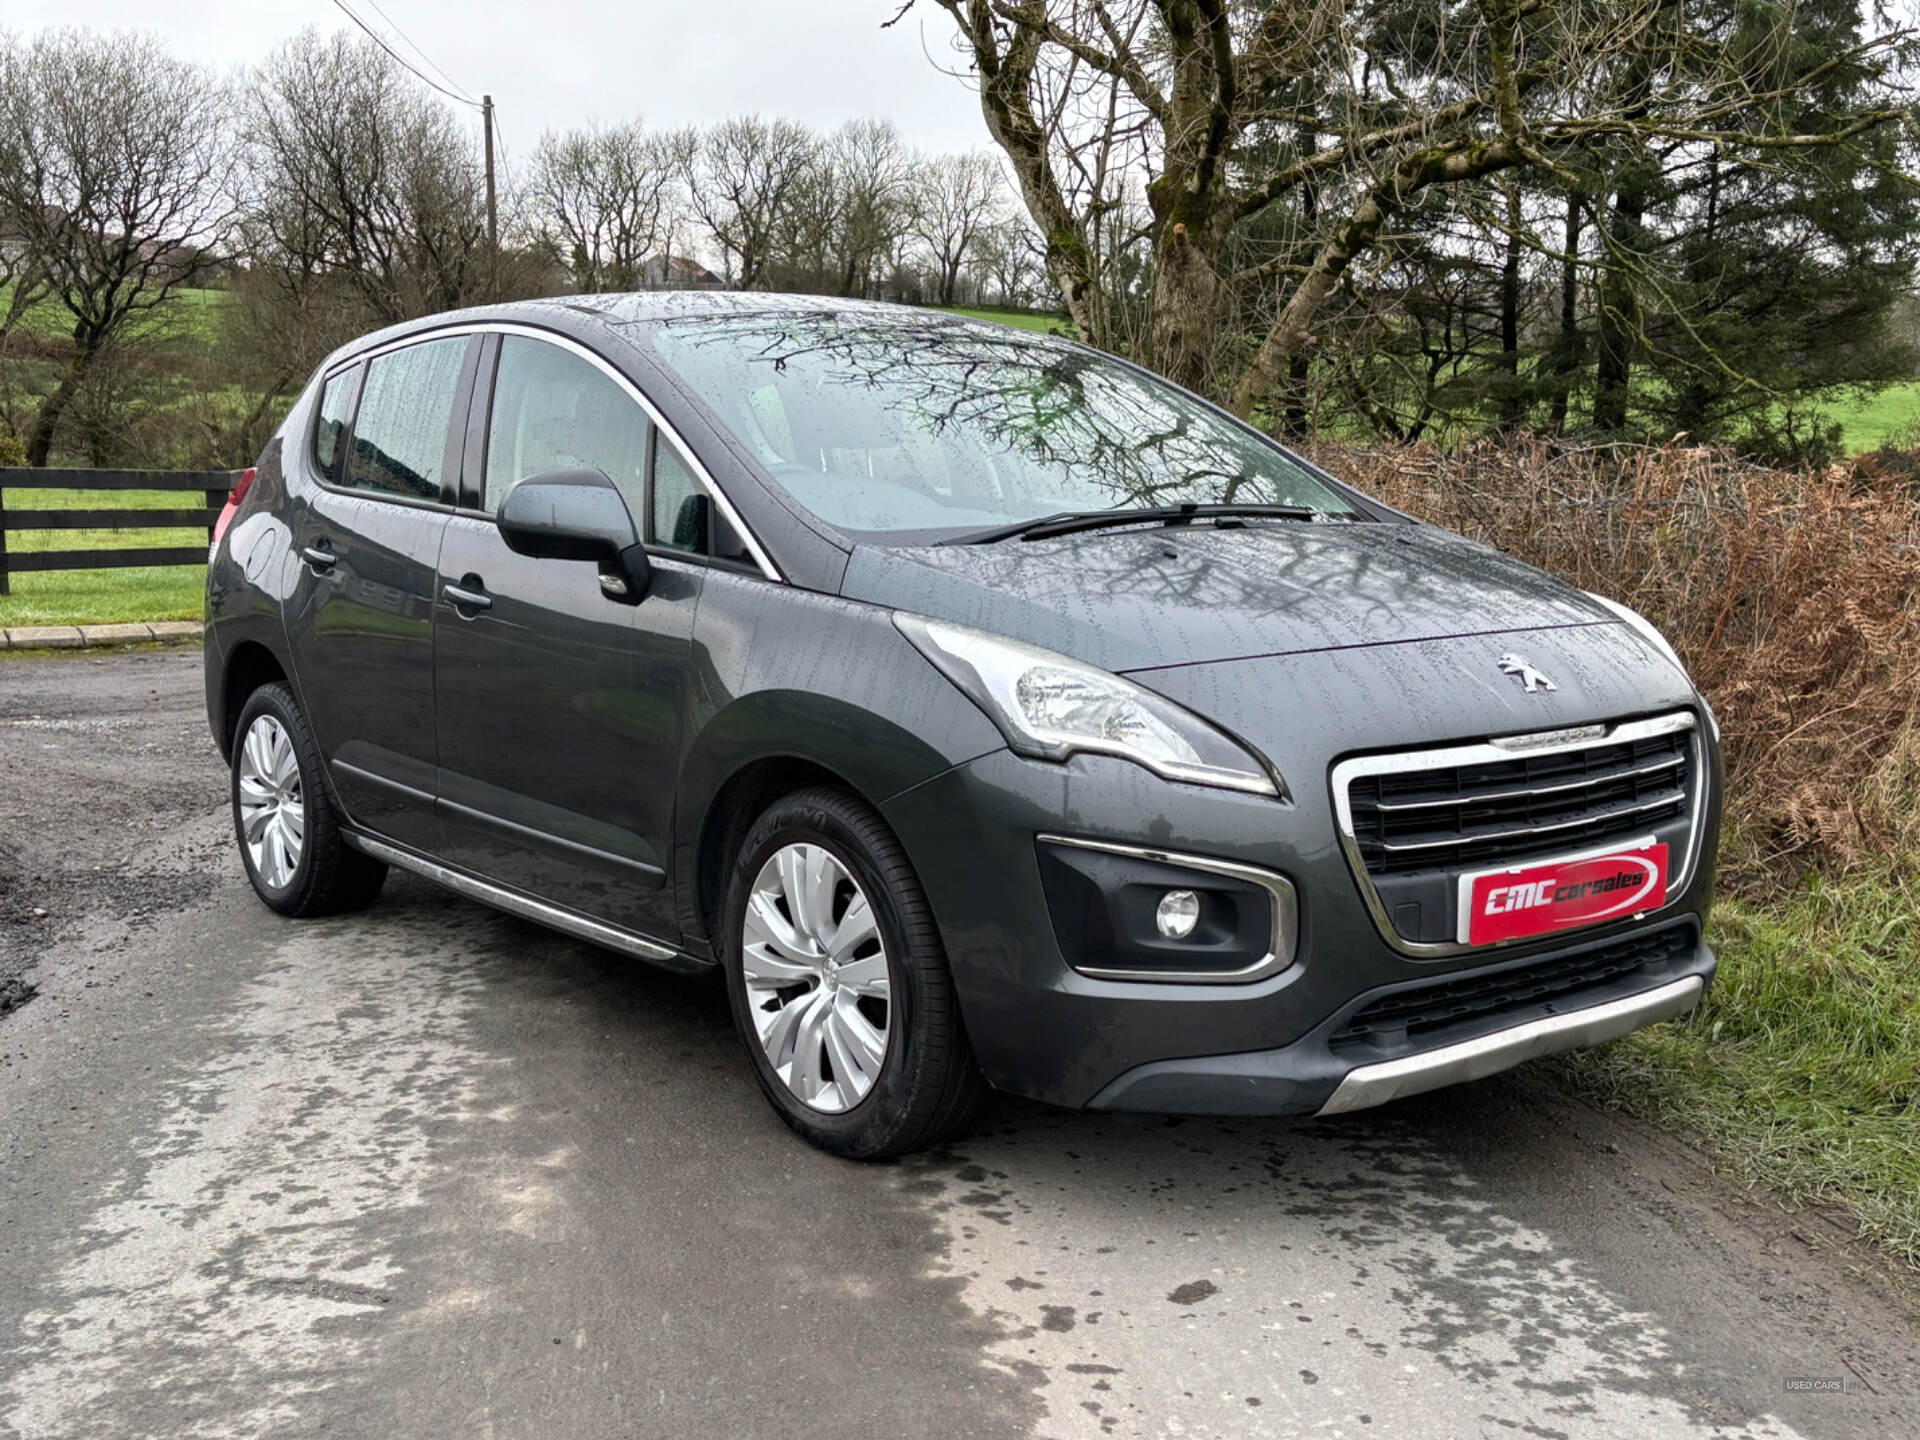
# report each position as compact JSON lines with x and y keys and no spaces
{"x":1800,"y":1070}
{"x":191,"y":324}
{"x":1870,"y":422}
{"x":1021,"y":320}
{"x":100,"y":597}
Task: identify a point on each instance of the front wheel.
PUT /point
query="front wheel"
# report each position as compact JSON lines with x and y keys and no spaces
{"x":284,"y":820}
{"x":839,"y":983}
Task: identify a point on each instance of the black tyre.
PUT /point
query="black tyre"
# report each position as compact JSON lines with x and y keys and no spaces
{"x":839,"y":983}
{"x":283,"y":817}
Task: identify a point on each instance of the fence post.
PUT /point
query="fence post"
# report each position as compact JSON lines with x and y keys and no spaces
{"x":216,"y":502}
{"x":4,"y":590}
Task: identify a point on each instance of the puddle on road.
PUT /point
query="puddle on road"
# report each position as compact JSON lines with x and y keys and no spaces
{"x":1247,"y":1279}
{"x":235,"y":1268}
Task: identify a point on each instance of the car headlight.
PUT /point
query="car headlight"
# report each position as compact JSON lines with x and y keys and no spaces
{"x":1050,"y":706}
{"x":1644,"y":626}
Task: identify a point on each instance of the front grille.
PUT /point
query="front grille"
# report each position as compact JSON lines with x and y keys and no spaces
{"x":1418,"y":821}
{"x":1407,"y":1015}
{"x":1485,"y":813}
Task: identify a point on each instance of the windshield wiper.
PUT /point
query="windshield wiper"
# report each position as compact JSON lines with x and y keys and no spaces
{"x":1067,"y":522}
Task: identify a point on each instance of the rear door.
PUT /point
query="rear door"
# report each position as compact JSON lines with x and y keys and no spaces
{"x":560,"y":711}
{"x":367,"y":535}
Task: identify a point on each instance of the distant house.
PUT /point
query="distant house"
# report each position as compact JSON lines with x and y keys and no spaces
{"x":677,"y":272}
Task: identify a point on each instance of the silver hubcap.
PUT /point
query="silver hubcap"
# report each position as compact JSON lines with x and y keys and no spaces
{"x":273,"y":811}
{"x":816,"y":975}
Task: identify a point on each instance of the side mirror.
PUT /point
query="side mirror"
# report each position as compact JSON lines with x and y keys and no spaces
{"x":577,"y":515}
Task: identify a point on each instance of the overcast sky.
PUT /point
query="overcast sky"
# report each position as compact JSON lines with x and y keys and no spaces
{"x":558,"y":63}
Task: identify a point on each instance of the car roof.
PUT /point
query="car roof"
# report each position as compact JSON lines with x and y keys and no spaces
{"x":640,"y":306}
{"x":581,"y":315}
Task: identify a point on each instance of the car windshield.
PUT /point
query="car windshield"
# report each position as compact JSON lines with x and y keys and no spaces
{"x":911,"y":428}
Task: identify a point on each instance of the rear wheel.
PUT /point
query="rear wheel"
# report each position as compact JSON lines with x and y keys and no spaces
{"x":284,"y":820}
{"x":839,"y":983}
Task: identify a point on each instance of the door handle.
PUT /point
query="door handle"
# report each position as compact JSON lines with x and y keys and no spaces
{"x":462,"y":598}
{"x":319,"y":558}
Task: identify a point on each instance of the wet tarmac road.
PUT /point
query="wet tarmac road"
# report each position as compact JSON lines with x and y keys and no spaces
{"x":431,"y":1171}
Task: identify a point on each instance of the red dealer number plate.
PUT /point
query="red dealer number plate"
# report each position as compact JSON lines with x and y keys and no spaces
{"x":1554,"y":895}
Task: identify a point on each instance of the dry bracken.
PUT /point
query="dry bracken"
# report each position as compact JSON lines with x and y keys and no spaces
{"x":1793,"y":597}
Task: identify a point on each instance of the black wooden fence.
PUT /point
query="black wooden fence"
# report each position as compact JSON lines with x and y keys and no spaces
{"x":209,"y":488}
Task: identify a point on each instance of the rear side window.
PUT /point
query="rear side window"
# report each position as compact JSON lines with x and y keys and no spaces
{"x":330,"y":428}
{"x":554,"y":411}
{"x":400,"y":434}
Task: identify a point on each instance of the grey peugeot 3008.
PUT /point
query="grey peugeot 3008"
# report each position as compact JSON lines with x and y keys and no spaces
{"x":988,"y":711}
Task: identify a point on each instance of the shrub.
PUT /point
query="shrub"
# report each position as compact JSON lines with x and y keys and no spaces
{"x":1794,"y":598}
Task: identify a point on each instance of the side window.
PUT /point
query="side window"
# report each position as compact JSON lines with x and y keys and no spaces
{"x":679,"y":512}
{"x":554,"y":411}
{"x":400,"y":435}
{"x":330,"y":425}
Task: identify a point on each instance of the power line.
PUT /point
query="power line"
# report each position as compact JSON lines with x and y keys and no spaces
{"x":401,"y":60}
{"x":431,"y":65}
{"x":458,"y":94}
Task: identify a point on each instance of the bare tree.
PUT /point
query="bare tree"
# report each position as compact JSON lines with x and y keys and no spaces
{"x":1327,"y":124}
{"x":872,"y":172}
{"x":1009,"y":260}
{"x":358,"y":174}
{"x":23,"y":275}
{"x":743,"y":182}
{"x":112,"y":162}
{"x":955,"y":199}
{"x":803,"y":249}
{"x":608,"y":197}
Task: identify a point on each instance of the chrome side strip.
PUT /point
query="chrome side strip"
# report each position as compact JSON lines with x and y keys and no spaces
{"x":1473,"y":1059}
{"x":1501,"y":751}
{"x":525,"y":906}
{"x":1286,"y":914}
{"x":650,"y":875}
{"x":391,"y":786}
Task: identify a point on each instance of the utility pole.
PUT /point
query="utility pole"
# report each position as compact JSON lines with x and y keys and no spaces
{"x":493,"y":218}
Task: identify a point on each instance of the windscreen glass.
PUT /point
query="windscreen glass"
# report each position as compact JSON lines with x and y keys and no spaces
{"x":913,"y":429}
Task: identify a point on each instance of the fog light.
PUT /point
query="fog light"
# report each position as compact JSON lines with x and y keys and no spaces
{"x":1178,"y":913}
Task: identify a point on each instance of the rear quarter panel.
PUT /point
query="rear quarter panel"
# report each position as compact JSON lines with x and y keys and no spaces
{"x":246,"y":581}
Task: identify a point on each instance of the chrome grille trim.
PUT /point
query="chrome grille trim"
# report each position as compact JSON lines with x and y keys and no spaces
{"x":1404,"y":847}
{"x":1504,"y":751}
{"x":1399,"y":806}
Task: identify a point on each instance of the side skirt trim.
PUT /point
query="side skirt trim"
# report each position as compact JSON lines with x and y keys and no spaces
{"x":528,"y":908}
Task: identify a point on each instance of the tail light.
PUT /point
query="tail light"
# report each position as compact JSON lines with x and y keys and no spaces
{"x":232,"y":507}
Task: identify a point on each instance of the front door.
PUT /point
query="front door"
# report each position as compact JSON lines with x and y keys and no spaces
{"x":367,"y":530}
{"x":560,"y":710}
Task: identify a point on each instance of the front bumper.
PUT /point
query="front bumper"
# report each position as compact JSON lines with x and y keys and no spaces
{"x":1368,"y":1085}
{"x":1313,"y":1075}
{"x":1043,"y":1029}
